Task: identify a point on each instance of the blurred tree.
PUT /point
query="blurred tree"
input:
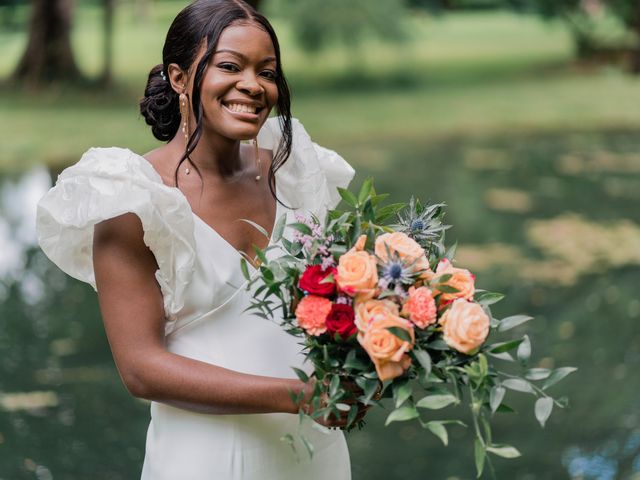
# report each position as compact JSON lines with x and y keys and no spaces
{"x":581,"y":17}
{"x":8,"y":12}
{"x":316,"y":22}
{"x":107,"y":69}
{"x":254,"y":3}
{"x":48,"y":57}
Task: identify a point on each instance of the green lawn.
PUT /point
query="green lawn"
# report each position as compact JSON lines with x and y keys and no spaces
{"x":460,"y":75}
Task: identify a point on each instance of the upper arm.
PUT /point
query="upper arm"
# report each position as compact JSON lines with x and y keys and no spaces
{"x":130,"y":297}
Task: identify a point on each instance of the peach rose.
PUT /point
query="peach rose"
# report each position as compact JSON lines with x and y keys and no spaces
{"x":357,"y":274}
{"x":359,"y":246}
{"x":311,"y":314}
{"x":369,"y":310}
{"x":387,"y":352}
{"x":465,"y":326}
{"x":420,"y":307}
{"x":404,"y":246}
{"x":461,"y":279}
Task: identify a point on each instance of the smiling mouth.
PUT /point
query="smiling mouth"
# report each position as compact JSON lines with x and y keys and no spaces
{"x":243,"y":108}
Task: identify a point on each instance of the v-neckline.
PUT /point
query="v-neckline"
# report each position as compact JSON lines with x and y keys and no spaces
{"x":239,"y":253}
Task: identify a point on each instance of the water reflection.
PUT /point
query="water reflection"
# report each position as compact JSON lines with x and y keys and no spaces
{"x":544,"y":219}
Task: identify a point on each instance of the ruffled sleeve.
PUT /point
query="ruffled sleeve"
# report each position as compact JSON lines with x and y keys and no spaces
{"x":106,"y":183}
{"x":310,"y":177}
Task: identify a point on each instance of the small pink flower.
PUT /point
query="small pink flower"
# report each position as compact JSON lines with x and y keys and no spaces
{"x":420,"y":307}
{"x":311,"y":314}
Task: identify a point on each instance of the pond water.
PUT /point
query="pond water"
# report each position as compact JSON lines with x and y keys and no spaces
{"x":551,"y":220}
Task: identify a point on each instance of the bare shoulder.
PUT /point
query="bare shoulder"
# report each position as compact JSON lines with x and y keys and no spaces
{"x":122,"y":236}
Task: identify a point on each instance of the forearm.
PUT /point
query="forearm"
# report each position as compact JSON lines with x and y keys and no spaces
{"x":201,"y":387}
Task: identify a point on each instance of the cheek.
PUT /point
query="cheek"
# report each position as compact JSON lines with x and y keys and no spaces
{"x":271,"y":92}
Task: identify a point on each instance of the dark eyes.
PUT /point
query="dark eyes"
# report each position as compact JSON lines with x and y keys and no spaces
{"x":232,"y":67}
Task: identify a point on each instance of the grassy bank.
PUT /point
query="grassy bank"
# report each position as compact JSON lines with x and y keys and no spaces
{"x":460,"y":75}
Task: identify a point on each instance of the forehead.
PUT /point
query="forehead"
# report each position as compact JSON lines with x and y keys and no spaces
{"x":248,"y":39}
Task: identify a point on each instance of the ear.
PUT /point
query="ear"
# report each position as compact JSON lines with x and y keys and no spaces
{"x":178,"y":78}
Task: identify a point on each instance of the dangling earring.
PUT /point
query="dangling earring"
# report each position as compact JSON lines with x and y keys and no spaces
{"x":258,"y":161}
{"x":184,"y":121}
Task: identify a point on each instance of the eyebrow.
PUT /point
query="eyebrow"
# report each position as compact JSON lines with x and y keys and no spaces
{"x":244,"y":57}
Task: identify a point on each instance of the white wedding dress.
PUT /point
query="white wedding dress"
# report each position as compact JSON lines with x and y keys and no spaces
{"x":204,"y":299}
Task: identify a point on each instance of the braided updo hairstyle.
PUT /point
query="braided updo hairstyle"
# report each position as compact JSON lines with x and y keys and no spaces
{"x":204,"y":21}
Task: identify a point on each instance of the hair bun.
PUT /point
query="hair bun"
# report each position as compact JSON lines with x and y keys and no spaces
{"x":159,"y":106}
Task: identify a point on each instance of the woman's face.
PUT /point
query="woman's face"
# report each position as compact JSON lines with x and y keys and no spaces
{"x":239,"y":87}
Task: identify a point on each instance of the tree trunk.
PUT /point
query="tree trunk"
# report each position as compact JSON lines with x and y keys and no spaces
{"x":107,"y":68}
{"x":635,"y":53}
{"x":48,"y":57}
{"x":254,"y":3}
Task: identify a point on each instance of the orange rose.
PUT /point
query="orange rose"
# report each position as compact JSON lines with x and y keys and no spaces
{"x":311,"y":314}
{"x":420,"y":307}
{"x":357,"y":275}
{"x":466,"y":326}
{"x":387,"y":351}
{"x":359,"y":246}
{"x":461,"y":279}
{"x":369,"y":310}
{"x":404,"y":246}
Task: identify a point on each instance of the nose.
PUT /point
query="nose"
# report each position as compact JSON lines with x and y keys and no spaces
{"x":250,"y":85}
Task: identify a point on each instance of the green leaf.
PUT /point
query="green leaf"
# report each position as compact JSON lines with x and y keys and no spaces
{"x":348,"y":197}
{"x":451,"y":252}
{"x":308,"y":445}
{"x":401,"y":333}
{"x":388,"y":210}
{"x":401,"y":392}
{"x":496,"y":396}
{"x":260,"y":228}
{"x":524,"y":350}
{"x":438,"y":429}
{"x":436,"y":402}
{"x":402,"y":414}
{"x":543,"y":408}
{"x":365,"y":190}
{"x":244,"y":266}
{"x":480,"y":454}
{"x":489,"y":298}
{"x":512,"y":322}
{"x":447,"y":289}
{"x":302,"y":375}
{"x":424,"y":359}
{"x":558,"y":375}
{"x":537,"y":373}
{"x":504,"y":346}
{"x":278,"y":230}
{"x":504,"y":451}
{"x":518,"y":385}
{"x":301,"y":227}
{"x":353,"y":413}
{"x":502,"y":356}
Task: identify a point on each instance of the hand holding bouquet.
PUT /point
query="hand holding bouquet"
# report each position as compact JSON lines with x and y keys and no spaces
{"x":382,"y":307}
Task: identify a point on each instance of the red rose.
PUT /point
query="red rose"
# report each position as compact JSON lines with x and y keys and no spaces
{"x":312,"y":281}
{"x":341,"y":319}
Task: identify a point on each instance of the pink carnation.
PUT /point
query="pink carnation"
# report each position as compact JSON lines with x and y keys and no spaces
{"x":311,"y":314}
{"x":420,"y":307}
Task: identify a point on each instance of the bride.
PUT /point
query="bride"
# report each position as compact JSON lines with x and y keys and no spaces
{"x":160,"y":237}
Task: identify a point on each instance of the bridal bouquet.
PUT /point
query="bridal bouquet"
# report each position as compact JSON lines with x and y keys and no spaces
{"x":382,"y":308}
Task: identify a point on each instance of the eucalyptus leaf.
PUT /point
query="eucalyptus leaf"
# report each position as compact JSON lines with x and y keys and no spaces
{"x":300,"y":227}
{"x":512,"y":322}
{"x":558,"y":375}
{"x":489,"y":298}
{"x":402,"y":414}
{"x":401,"y":392}
{"x":504,"y":346}
{"x":502,"y":356}
{"x":245,"y":269}
{"x":496,"y":396}
{"x":543,"y":408}
{"x":302,"y":375}
{"x":438,"y":429}
{"x":479,"y":454}
{"x":436,"y":402}
{"x":424,"y":359}
{"x":260,"y":228}
{"x":537,"y":374}
{"x":524,"y":350}
{"x":518,"y":384}
{"x":504,"y":451}
{"x":278,"y":230}
{"x":365,"y":190}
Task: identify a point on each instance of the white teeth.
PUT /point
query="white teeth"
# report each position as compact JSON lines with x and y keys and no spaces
{"x":239,"y":107}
